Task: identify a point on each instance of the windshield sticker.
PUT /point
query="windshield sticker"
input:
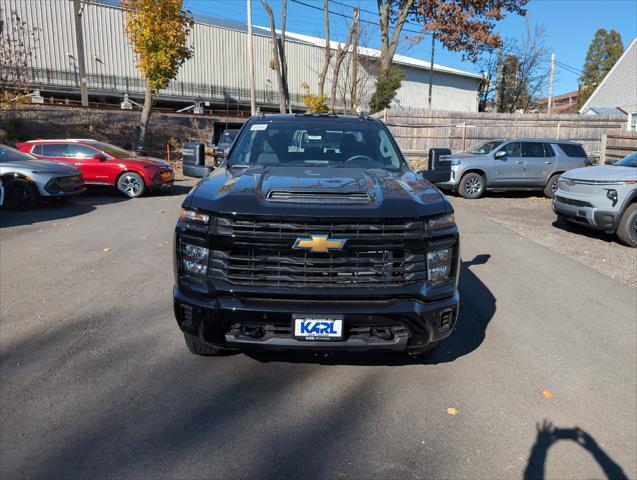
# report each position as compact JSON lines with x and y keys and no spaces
{"x":259,"y":126}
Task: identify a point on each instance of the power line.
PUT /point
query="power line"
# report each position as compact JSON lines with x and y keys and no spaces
{"x":351,"y":18}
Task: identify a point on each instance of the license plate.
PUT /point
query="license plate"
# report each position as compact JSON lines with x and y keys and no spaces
{"x":318,"y":327}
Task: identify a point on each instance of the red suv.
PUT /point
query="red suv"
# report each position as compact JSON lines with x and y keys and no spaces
{"x":105,"y":164}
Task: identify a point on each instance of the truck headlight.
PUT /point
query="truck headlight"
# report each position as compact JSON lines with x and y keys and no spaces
{"x":442,"y":221}
{"x":439,"y":265}
{"x":194,"y":259}
{"x":611,"y":194}
{"x":193,"y":216}
{"x":455,"y":163}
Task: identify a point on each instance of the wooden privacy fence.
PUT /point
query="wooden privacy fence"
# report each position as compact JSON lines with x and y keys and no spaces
{"x":416,"y":131}
{"x":617,"y":146}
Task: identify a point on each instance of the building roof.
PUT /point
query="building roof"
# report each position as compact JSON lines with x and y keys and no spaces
{"x":606,"y":112}
{"x":373,"y":53}
{"x":619,"y":87}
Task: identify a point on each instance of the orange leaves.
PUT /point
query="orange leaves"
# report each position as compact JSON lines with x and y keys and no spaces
{"x":158,"y":31}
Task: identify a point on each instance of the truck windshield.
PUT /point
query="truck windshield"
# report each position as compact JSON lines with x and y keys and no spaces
{"x":484,"y":147}
{"x":317,"y":143}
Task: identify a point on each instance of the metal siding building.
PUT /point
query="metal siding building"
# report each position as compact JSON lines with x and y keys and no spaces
{"x":218,"y":70}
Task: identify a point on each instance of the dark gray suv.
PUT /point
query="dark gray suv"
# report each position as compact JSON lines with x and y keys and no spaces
{"x":519,"y":164}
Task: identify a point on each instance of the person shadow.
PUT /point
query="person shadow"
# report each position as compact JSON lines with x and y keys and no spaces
{"x":547,"y":435}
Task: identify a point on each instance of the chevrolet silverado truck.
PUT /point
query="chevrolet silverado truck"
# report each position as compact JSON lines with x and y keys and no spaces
{"x":314,"y":234}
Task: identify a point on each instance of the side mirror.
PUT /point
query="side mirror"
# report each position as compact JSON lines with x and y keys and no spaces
{"x":99,"y":157}
{"x":500,"y":154}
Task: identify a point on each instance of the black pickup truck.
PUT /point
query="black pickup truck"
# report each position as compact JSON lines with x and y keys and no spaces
{"x":314,"y":234}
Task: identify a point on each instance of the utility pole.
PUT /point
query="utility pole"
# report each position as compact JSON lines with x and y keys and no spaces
{"x":253,"y":102}
{"x":550,"y":100}
{"x":431,"y":68}
{"x":79,"y":39}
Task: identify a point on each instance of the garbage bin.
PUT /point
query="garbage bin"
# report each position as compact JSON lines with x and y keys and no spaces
{"x":194,"y":160}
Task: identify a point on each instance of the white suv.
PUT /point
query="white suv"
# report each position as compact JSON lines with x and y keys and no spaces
{"x":604,"y":198}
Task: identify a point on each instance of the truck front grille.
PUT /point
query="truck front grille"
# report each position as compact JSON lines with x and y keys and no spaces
{"x":375,"y":254}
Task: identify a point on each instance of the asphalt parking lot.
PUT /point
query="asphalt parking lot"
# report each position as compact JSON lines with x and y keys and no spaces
{"x":538,"y":380}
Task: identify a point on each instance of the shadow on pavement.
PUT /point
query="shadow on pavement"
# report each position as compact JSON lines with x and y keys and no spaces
{"x":582,"y":230}
{"x":477,"y":307}
{"x":48,"y":210}
{"x":547,"y":435}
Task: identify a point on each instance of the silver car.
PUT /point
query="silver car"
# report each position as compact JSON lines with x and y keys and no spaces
{"x":603,"y":198}
{"x":26,"y":179}
{"x":519,"y":164}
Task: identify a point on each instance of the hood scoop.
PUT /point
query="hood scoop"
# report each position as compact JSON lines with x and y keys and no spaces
{"x":318,"y":197}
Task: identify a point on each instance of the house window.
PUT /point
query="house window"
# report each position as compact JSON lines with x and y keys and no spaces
{"x":632,"y":122}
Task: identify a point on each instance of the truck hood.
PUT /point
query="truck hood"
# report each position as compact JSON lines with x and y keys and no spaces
{"x":245,"y":191}
{"x":602,"y":173}
{"x":42,"y":166}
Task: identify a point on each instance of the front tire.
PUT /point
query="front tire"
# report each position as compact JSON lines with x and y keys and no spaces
{"x":627,"y":231}
{"x":19,"y":195}
{"x":551,"y":186}
{"x":197,"y":347}
{"x":131,"y":184}
{"x":471,"y":185}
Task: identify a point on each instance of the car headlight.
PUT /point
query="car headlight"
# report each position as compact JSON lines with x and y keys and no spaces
{"x":442,"y":221}
{"x":193,"y":216}
{"x":611,"y":194}
{"x":455,"y":162}
{"x":439,"y":265}
{"x":194,"y":259}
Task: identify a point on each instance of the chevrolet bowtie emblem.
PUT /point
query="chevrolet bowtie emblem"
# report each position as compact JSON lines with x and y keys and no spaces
{"x":319,"y":243}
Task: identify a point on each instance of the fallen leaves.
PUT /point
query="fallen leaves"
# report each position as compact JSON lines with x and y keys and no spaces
{"x":107,"y":249}
{"x":452,"y":411}
{"x":547,"y":394}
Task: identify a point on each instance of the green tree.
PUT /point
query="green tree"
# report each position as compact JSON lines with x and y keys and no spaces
{"x":158,"y":31}
{"x":603,"y":53}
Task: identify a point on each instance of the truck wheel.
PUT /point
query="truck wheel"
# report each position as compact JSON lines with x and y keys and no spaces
{"x":131,"y":184}
{"x":551,"y":186}
{"x":472,"y":185}
{"x":197,"y":347}
{"x":19,"y":195}
{"x":627,"y":231}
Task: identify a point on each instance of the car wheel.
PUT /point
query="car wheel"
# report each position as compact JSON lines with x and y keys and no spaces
{"x":19,"y":195}
{"x":472,"y":185}
{"x":627,"y":231}
{"x":197,"y":347}
{"x":131,"y":184}
{"x":551,"y":186}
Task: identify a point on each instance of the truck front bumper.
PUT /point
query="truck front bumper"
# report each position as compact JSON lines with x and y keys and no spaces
{"x":266,"y":323}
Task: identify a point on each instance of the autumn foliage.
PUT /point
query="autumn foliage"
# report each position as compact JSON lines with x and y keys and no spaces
{"x":158,"y":31}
